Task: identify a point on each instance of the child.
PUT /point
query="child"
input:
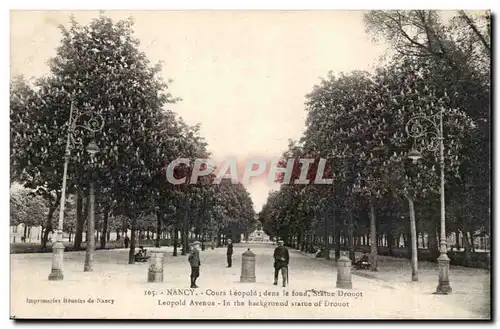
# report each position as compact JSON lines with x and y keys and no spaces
{"x":194,"y":261}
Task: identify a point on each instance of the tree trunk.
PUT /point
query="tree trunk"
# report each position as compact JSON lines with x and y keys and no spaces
{"x":457,"y":240}
{"x":337,"y":243}
{"x":183,"y":239}
{"x":219,"y":240}
{"x":25,"y":234}
{"x":104,"y":227}
{"x":467,"y":249}
{"x":185,"y":231}
{"x":326,"y":238}
{"x":390,"y":242}
{"x":80,"y":220}
{"x":433,"y":242}
{"x":373,"y":235}
{"x":89,"y":254}
{"x":174,"y":235}
{"x":117,"y":234}
{"x":131,"y":253}
{"x":352,"y":251}
{"x":69,"y":237}
{"x":405,"y":240}
{"x":158,"y":229}
{"x":408,"y":244}
{"x":471,"y":239}
{"x":48,"y":224}
{"x":413,"y":230}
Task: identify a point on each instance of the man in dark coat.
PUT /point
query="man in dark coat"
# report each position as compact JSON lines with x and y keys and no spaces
{"x":281,"y":259}
{"x":229,"y":253}
{"x":194,"y":261}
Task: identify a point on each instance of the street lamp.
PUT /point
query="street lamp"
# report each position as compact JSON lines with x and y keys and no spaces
{"x":415,"y":129}
{"x":92,"y":122}
{"x":92,"y":148}
{"x":414,"y":155}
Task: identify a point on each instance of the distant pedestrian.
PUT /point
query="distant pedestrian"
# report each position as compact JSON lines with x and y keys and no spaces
{"x":194,"y":261}
{"x":229,"y":253}
{"x":126,"y":241}
{"x":281,"y":260}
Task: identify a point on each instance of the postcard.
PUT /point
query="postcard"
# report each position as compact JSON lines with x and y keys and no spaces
{"x":250,"y":164}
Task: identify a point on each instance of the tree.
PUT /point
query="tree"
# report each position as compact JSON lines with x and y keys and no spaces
{"x":355,"y":100}
{"x":97,"y":68}
{"x":358,"y":120}
{"x":33,"y":160}
{"x":460,"y":51}
{"x":414,"y":92}
{"x":27,"y":209}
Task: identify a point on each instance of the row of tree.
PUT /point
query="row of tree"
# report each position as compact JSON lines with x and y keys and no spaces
{"x":100,"y":74}
{"x":358,"y":120}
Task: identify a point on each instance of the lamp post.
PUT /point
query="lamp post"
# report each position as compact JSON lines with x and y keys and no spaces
{"x":416,"y":129}
{"x":93,"y":123}
{"x":92,"y":149}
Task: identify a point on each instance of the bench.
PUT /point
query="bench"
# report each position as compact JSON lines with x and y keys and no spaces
{"x":142,"y":256}
{"x":362,"y":264}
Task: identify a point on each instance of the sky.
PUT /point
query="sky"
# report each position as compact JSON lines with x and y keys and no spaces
{"x":243,"y":75}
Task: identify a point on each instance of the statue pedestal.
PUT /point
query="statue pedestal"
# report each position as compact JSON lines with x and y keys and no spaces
{"x":247,"y":266}
{"x":155,"y":271}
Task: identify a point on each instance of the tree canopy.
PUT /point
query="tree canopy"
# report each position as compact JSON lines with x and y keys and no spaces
{"x":102,"y":88}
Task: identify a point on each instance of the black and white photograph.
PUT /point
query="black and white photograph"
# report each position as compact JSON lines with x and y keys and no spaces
{"x":250,"y":164}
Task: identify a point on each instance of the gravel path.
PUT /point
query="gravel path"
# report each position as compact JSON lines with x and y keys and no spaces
{"x":116,"y":289}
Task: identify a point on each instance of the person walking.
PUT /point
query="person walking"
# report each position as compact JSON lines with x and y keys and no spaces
{"x":229,"y":253}
{"x":194,"y":261}
{"x":281,"y":260}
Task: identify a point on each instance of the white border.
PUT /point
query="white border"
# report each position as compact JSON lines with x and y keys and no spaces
{"x":191,"y":4}
{"x":255,"y":4}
